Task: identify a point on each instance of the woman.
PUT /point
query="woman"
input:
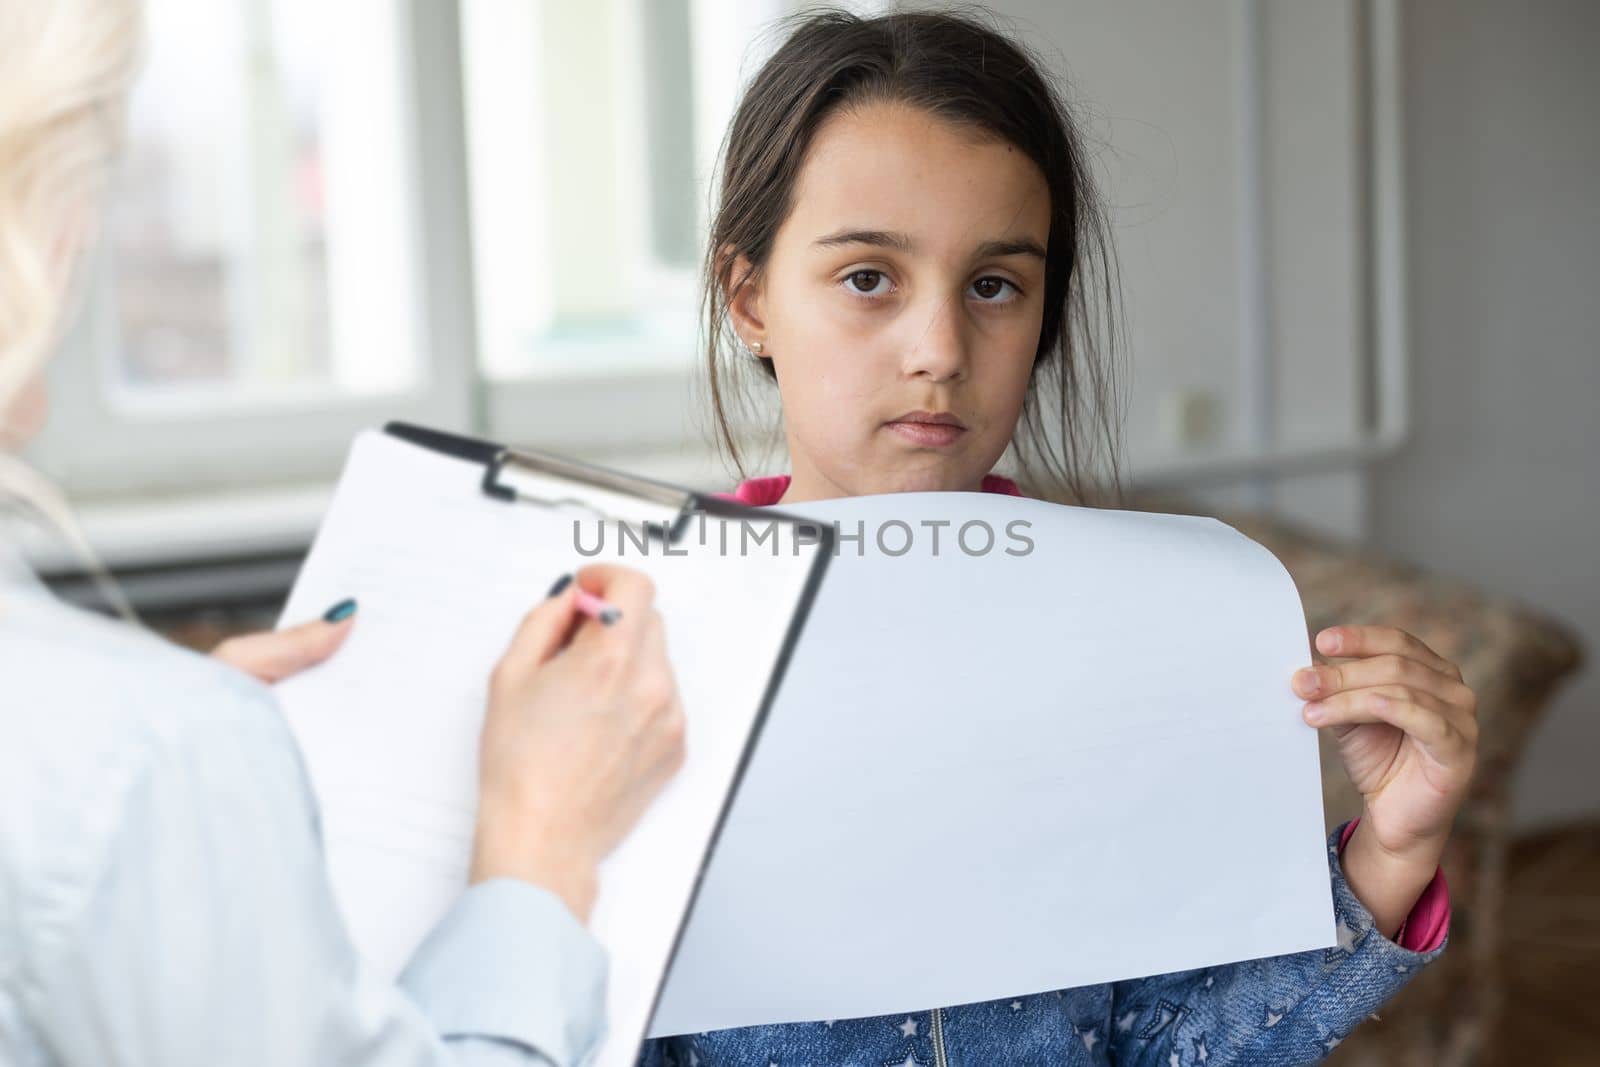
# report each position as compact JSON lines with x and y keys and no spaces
{"x":163,"y":898}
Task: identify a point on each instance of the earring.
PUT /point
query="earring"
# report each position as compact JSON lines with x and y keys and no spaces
{"x":755,"y":349}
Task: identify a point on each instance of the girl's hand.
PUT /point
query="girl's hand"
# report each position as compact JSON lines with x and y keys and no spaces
{"x":274,"y":655}
{"x":1407,"y":730}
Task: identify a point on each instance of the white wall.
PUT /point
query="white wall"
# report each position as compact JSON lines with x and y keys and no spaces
{"x":1502,"y":480}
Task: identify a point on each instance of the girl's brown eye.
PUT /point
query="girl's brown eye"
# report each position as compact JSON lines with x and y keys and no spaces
{"x":870,"y":277}
{"x":989,"y":288}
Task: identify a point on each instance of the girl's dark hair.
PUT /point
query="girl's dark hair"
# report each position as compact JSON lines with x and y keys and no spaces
{"x":955,"y":66}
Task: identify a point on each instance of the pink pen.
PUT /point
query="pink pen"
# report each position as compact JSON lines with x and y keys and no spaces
{"x":596,"y":608}
{"x":587,"y":603}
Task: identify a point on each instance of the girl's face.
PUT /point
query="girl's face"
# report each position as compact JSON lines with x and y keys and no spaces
{"x":901,"y":304}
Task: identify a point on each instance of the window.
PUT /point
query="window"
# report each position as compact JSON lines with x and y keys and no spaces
{"x":481,"y":215}
{"x":258,"y":241}
{"x":592,"y":132}
{"x":276,"y":268}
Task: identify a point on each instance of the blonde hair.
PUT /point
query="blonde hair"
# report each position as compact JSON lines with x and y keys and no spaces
{"x":65,"y":69}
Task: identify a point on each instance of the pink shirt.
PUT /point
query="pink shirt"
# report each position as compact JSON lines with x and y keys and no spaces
{"x":761,"y":492}
{"x":1424,"y":929}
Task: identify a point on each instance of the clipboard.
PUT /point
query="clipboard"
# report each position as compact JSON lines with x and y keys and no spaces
{"x":446,"y":541}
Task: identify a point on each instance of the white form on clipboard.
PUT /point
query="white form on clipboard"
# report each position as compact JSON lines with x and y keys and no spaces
{"x":447,"y":542}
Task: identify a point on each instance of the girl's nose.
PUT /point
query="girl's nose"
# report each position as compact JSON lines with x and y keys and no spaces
{"x":938,"y":350}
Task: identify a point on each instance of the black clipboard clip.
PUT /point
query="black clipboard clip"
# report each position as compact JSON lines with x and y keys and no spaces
{"x":520,"y":476}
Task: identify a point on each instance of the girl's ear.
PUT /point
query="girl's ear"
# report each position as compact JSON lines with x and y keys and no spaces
{"x":741,"y":288}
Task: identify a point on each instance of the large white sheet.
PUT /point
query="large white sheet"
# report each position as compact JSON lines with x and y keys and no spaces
{"x":993,"y":775}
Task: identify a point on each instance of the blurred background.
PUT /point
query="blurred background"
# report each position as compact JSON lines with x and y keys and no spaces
{"x":1360,"y":251}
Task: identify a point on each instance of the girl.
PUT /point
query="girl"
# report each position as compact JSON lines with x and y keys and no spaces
{"x":909,"y":244}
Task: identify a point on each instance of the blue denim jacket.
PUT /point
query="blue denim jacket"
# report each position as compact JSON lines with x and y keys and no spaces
{"x":1268,"y":1012}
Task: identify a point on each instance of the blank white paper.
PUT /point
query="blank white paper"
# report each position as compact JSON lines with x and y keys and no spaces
{"x":990,"y":775}
{"x":389,"y":726}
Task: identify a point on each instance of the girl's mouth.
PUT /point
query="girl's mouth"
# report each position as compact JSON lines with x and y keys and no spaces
{"x":928,"y":429}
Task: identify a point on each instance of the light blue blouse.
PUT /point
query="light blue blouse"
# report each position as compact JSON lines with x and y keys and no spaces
{"x":163,"y":899}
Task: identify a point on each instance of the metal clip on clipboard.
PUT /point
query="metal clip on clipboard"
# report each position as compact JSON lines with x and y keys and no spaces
{"x":526,"y":477}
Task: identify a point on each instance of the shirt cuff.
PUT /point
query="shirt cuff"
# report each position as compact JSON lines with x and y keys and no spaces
{"x":510,"y":962}
{"x":1428,"y":924}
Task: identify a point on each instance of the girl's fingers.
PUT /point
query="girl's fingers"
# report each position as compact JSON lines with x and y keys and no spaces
{"x":1421,"y":715}
{"x":1364,"y":641}
{"x":1323,"y":681}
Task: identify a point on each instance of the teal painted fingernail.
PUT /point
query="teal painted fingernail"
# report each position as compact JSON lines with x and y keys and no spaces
{"x":561,"y":583}
{"x":340,"y":611}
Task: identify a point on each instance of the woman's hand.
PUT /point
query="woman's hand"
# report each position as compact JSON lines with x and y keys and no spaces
{"x":582,"y":732}
{"x":275,"y":655}
{"x":1407,"y":731}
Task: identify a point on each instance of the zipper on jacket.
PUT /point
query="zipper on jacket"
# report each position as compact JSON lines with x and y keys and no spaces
{"x":938,"y":1039}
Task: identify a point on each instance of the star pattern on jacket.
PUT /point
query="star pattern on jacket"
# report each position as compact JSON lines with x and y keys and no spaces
{"x":910,"y":1061}
{"x":1166,"y":1014}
